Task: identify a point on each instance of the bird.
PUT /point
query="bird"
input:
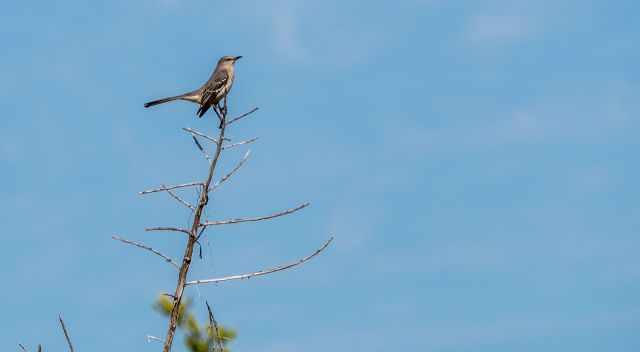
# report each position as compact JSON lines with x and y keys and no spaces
{"x":212,"y":91}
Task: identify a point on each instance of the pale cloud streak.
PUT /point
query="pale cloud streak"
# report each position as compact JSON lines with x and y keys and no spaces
{"x":499,"y":29}
{"x":285,"y":26}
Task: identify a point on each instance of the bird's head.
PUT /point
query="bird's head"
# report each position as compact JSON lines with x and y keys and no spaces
{"x":228,"y":60}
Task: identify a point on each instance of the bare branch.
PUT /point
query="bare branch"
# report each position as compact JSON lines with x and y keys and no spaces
{"x":239,"y":143}
{"x":261,"y":272}
{"x":195,"y":140}
{"x":188,"y":253}
{"x":168,"y":295}
{"x":153,"y":338}
{"x":163,"y":188}
{"x":204,"y":152}
{"x":200,"y":134}
{"x":227,"y":176}
{"x":66,"y":333}
{"x":22,"y":347}
{"x":161,"y":228}
{"x":140,"y":245}
{"x":182,"y":201}
{"x":242,"y":116}
{"x":213,"y":323}
{"x":239,"y":220}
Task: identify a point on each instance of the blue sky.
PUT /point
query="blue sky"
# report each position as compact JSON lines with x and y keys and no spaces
{"x":477,"y":162}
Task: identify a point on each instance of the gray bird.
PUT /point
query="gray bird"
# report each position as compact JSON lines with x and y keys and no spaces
{"x":212,"y":92}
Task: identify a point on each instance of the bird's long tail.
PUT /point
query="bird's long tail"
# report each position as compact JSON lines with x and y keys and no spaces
{"x":193,"y":97}
{"x":162,"y":101}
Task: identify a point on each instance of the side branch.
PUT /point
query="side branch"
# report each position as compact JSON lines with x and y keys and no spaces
{"x":241,"y":116}
{"x":239,"y":220}
{"x":161,"y":228}
{"x":180,"y":200}
{"x":200,"y":134}
{"x":199,"y":146}
{"x":262,"y":272}
{"x":214,"y":324}
{"x":239,"y":143}
{"x":167,"y":188}
{"x":227,"y":176}
{"x":66,"y":333}
{"x":143,"y":246}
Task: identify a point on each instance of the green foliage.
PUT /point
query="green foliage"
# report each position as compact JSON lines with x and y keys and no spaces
{"x":198,"y":338}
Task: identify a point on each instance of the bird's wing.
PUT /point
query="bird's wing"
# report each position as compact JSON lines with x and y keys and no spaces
{"x":212,"y":89}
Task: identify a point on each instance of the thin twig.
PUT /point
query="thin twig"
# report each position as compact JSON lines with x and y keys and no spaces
{"x":202,"y":230}
{"x":163,"y":188}
{"x":239,"y":143}
{"x":200,"y":134}
{"x":22,"y":347}
{"x":239,"y":220}
{"x":242,"y":116}
{"x":161,"y":228}
{"x":153,"y":338}
{"x":182,"y":201}
{"x":168,"y":295}
{"x":204,"y":152}
{"x":66,"y":333}
{"x":143,"y":246}
{"x":261,"y":272}
{"x":227,"y":176}
{"x":213,"y":323}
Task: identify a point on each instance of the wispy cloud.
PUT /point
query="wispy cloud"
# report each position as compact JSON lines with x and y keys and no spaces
{"x":592,"y":116}
{"x":285,"y":23}
{"x":499,"y":29}
{"x":326,"y":34}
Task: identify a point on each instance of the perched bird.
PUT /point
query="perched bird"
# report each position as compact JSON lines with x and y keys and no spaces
{"x":212,"y":92}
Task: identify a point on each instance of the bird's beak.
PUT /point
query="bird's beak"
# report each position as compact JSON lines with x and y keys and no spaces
{"x":237,"y":58}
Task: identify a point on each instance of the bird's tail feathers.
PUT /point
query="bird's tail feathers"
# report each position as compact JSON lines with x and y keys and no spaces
{"x":161,"y":101}
{"x":191,"y":96}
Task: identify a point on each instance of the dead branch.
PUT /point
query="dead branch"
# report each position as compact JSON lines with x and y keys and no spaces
{"x":153,"y":338}
{"x":260,"y":218}
{"x":180,"y":200}
{"x":193,"y":233}
{"x":163,"y":188}
{"x":173,"y":229}
{"x":199,"y":146}
{"x":143,"y":246}
{"x":239,"y":143}
{"x":66,"y":333}
{"x":227,"y":176}
{"x":242,"y":116}
{"x":213,"y":323}
{"x":200,"y":134}
{"x":262,"y":272}
{"x":199,"y":225}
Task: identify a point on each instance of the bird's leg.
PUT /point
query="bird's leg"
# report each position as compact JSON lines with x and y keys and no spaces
{"x":218,"y":111}
{"x":223,"y":110}
{"x":224,"y":106}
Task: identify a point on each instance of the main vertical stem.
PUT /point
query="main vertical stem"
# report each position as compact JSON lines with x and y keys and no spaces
{"x":193,"y":236}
